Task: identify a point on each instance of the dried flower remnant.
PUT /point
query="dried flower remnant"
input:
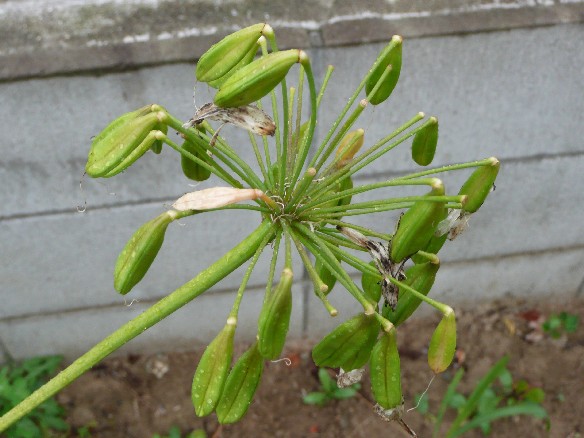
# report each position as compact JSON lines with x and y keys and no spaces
{"x":248,"y":117}
{"x":215,"y":197}
{"x":385,"y":266}
{"x":348,"y":378}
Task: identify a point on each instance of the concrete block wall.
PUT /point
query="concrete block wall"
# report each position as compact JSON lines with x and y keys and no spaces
{"x":504,"y":78}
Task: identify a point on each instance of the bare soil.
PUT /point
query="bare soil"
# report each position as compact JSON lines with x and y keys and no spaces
{"x":138,"y":396}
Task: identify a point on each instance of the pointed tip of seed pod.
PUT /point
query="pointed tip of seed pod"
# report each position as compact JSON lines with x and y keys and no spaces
{"x":303,"y":57}
{"x":433,"y":119}
{"x":363,"y":103}
{"x":447,"y":311}
{"x":494,"y":161}
{"x":173,"y":214}
{"x":287,"y":272}
{"x":232,"y":320}
{"x":397,"y":38}
{"x":436,"y":183}
{"x":311,"y":171}
{"x":267,"y":30}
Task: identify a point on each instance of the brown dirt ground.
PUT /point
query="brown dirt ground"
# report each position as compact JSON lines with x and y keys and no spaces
{"x":122,"y":397}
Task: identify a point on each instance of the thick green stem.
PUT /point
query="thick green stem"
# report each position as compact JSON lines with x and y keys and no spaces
{"x":181,"y":296}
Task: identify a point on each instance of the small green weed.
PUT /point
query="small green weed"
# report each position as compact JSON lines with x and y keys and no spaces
{"x":487,"y":402}
{"x":563,"y":322}
{"x":330,"y":390}
{"x":175,"y":432}
{"x":18,"y":381}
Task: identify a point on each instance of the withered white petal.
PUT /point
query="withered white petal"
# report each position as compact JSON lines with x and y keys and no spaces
{"x":215,"y":197}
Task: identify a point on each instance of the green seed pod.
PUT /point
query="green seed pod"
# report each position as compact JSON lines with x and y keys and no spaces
{"x":140,"y":251}
{"x":142,"y":148}
{"x":478,"y":185}
{"x":385,"y":371}
{"x":98,"y":145}
{"x":425,"y":141}
{"x":371,"y":285}
{"x":223,"y":56}
{"x":110,"y":150}
{"x":212,"y":371}
{"x":275,"y":318}
{"x":191,"y":169}
{"x":419,"y":277}
{"x":257,"y":79}
{"x":345,"y":184}
{"x":349,"y":345}
{"x":443,"y":343}
{"x":416,"y":227}
{"x":435,"y":243}
{"x":325,"y":275}
{"x":157,"y":146}
{"x":247,"y":59}
{"x":391,"y":55}
{"x":240,"y":386}
{"x":345,"y":153}
{"x":303,"y":133}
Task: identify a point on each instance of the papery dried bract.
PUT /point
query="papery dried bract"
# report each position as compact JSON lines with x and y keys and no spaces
{"x":419,"y":277}
{"x":215,"y":197}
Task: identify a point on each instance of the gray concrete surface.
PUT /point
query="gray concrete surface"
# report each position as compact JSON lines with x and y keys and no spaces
{"x":514,"y":92}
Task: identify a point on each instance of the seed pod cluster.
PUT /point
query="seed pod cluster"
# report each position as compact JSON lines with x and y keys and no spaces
{"x":123,"y":141}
